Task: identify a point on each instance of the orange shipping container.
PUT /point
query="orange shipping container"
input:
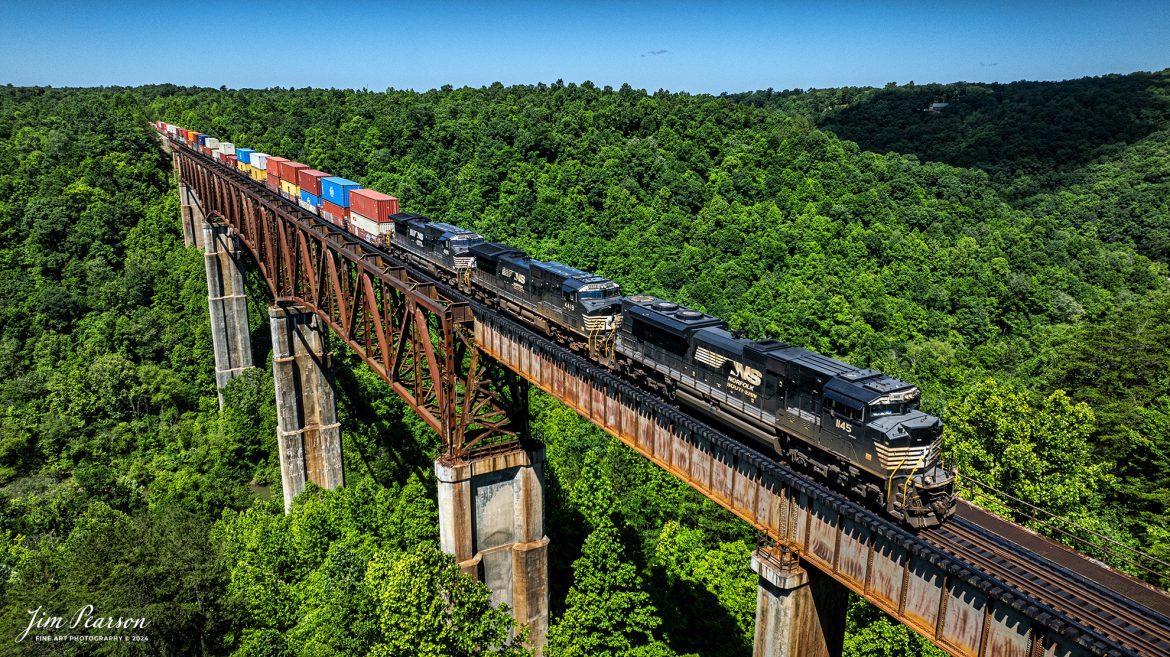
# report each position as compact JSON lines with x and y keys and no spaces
{"x":373,"y":205}
{"x":334,"y":213}
{"x":288,"y":170}
{"x":272,"y":166}
{"x":309,"y":180}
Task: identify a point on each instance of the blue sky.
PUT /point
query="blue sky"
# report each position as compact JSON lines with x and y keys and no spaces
{"x":679,"y":46}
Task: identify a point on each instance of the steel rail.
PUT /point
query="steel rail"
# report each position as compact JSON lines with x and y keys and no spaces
{"x":1133,"y":625}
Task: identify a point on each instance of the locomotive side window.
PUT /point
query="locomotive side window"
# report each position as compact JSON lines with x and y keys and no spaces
{"x":839,"y":408}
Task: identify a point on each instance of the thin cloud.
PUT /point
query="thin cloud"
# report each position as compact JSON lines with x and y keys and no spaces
{"x":988,"y":65}
{"x":655,"y":53}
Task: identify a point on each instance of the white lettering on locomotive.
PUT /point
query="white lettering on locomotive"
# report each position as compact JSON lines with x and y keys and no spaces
{"x":744,"y":380}
{"x":750,"y":375}
{"x":843,"y":425}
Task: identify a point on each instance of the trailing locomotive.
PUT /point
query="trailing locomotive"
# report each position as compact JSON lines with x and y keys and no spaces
{"x":856,"y":428}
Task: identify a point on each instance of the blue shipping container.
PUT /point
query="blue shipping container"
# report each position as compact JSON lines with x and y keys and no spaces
{"x":244,"y":155}
{"x":202,"y":139}
{"x":336,"y":190}
{"x":309,"y":198}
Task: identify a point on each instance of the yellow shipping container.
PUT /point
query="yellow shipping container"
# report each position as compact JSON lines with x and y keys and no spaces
{"x":259,"y":175}
{"x":289,"y":188}
{"x":242,"y":166}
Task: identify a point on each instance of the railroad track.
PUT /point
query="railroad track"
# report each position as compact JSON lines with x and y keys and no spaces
{"x":1076,"y":592}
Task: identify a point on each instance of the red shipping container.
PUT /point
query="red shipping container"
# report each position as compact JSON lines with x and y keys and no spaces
{"x":373,"y":205}
{"x":288,"y":170}
{"x":309,"y":180}
{"x":205,"y":150}
{"x":229,"y":160}
{"x":272,"y":164}
{"x":273,"y":183}
{"x":335,"y":213}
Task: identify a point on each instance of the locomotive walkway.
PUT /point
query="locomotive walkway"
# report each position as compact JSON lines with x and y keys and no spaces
{"x":975,"y":586}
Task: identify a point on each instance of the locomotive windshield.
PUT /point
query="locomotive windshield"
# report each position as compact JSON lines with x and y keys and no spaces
{"x":608,"y":291}
{"x":893,"y":409}
{"x":897,"y":403}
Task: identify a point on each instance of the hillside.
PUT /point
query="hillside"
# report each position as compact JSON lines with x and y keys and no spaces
{"x":1092,"y":152}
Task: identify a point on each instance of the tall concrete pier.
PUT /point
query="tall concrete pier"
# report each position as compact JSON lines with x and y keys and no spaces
{"x":491,"y":517}
{"x":799,"y":612}
{"x":192,"y":216}
{"x":227,"y":302}
{"x":308,"y":435}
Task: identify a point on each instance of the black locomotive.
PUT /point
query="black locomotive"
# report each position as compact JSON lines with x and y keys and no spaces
{"x":857,"y":428}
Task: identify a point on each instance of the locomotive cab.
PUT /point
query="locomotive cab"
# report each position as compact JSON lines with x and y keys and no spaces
{"x":908,"y":443}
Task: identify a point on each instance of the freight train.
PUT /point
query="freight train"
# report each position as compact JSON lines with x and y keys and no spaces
{"x":856,"y":428}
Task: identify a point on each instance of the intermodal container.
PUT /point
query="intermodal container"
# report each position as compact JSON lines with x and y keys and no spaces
{"x":199,"y":138}
{"x":273,"y":165}
{"x":227,"y":148}
{"x":205,"y":150}
{"x":212,"y":143}
{"x":366,"y":227}
{"x":310,"y":198}
{"x":273,"y":182}
{"x":258,"y":174}
{"x":336,"y":190}
{"x":258,"y":160}
{"x":288,"y":170}
{"x":315,"y":208}
{"x":373,"y":205}
{"x":333,"y":212}
{"x":310,"y":179}
{"x":245,"y":155}
{"x":229,"y":160}
{"x":289,"y":190}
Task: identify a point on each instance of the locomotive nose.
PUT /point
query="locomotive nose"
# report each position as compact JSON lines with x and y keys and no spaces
{"x":922,"y":428}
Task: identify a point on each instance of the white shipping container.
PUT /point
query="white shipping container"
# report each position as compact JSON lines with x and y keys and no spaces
{"x":258,"y":160}
{"x":211,"y":142}
{"x":308,"y":206}
{"x":227,"y":148}
{"x":368,"y":225}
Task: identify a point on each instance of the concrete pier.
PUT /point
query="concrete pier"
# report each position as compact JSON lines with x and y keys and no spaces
{"x":308,"y":435}
{"x":192,"y":216}
{"x":227,"y":302}
{"x":799,"y":612}
{"x":491,"y":517}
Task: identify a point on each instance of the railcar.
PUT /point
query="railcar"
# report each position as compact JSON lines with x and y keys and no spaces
{"x":858,"y":429}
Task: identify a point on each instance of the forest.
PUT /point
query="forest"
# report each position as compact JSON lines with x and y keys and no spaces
{"x":1007,"y":254}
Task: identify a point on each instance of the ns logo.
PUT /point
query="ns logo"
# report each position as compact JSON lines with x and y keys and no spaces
{"x":749,"y":374}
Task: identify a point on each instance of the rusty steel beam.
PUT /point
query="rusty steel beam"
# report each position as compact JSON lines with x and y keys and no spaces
{"x":412,"y":337}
